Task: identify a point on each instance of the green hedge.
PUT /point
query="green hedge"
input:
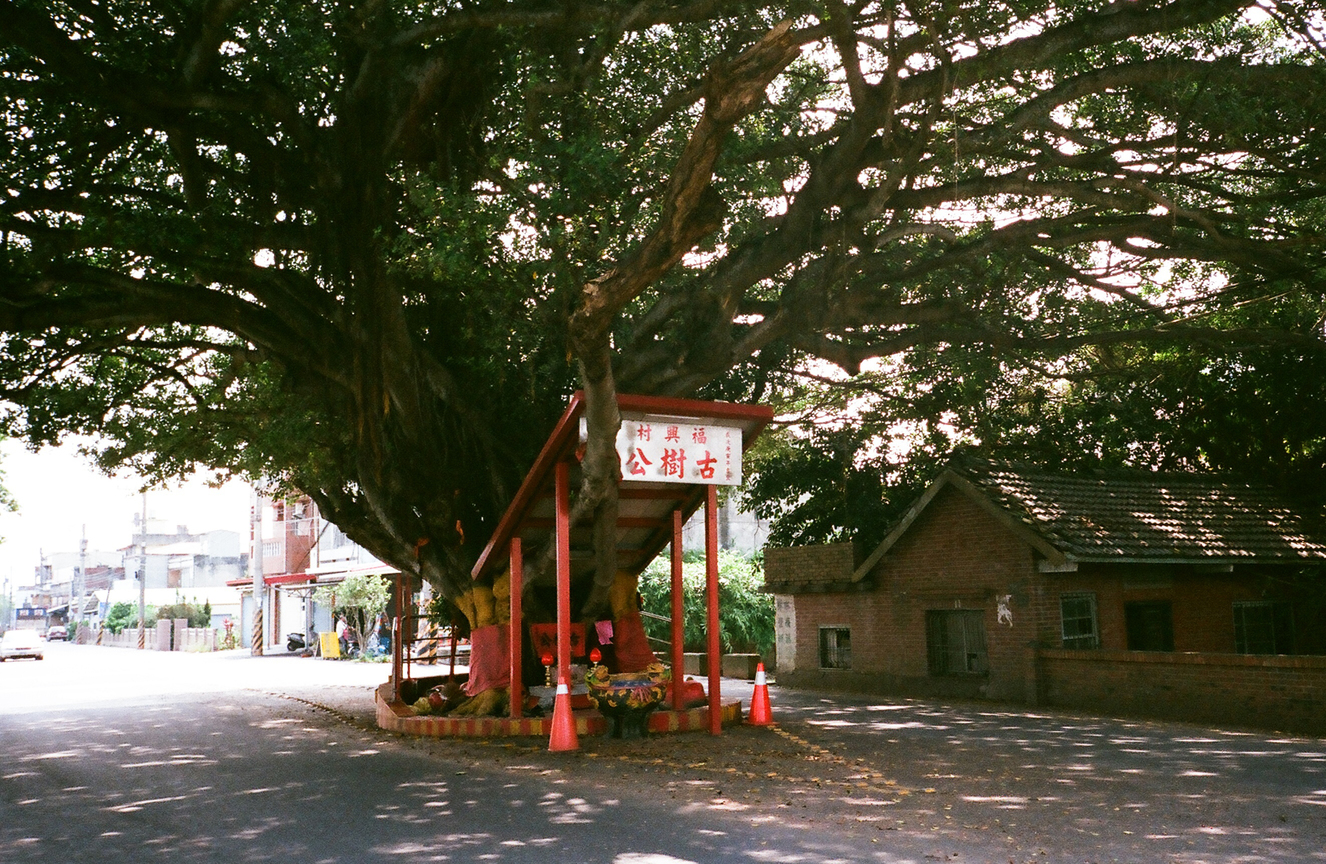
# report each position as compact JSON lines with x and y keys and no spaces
{"x":746,"y":614}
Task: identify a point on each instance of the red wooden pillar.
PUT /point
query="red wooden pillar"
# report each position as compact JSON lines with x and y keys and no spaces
{"x":517,"y":585}
{"x":678,"y":618}
{"x":562,"y":493}
{"x":711,"y":599}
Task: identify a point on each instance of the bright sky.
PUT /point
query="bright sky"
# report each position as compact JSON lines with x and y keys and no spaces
{"x":58,"y":492}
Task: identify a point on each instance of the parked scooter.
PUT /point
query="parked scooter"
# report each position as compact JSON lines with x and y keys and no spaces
{"x":295,"y":642}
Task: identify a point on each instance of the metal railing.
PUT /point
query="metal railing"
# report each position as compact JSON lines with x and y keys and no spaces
{"x":653,"y":640}
{"x":439,"y":647}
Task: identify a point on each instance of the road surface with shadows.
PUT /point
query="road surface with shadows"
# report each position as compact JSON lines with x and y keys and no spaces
{"x":295,"y":772}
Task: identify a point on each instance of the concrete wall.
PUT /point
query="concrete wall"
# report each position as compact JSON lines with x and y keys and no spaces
{"x":737,"y":529}
{"x":127,"y":638}
{"x":192,"y":639}
{"x":196,"y":639}
{"x":785,"y":633}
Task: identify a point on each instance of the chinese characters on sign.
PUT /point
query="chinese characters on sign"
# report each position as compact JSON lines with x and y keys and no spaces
{"x":665,"y":450}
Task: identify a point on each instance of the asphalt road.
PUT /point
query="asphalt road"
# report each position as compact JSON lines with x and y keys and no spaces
{"x":117,"y":755}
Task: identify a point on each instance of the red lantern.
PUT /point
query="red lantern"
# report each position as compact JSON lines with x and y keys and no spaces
{"x":595,"y":656}
{"x":547,"y":659}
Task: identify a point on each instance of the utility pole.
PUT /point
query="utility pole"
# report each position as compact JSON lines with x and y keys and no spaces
{"x":142,"y":579}
{"x":42,"y":580}
{"x":259,"y":587}
{"x":82,"y":574}
{"x":308,"y":595}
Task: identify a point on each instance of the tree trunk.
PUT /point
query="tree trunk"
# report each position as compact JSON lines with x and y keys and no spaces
{"x":601,"y":474}
{"x":483,"y":607}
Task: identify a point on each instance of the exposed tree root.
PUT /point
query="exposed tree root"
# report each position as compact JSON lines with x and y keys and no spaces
{"x":489,"y":703}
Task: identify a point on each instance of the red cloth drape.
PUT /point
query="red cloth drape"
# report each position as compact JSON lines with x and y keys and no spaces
{"x":490,"y":659}
{"x":632,"y":654}
{"x":692,"y":694}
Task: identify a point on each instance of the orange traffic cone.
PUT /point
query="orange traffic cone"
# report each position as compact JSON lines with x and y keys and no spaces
{"x":760,"y":715}
{"x":563,"y":722}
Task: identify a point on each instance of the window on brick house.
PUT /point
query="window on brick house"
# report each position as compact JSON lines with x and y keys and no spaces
{"x":1150,"y":625}
{"x":955,"y":642}
{"x":835,"y":648}
{"x":1263,"y":627}
{"x":1077,"y":620}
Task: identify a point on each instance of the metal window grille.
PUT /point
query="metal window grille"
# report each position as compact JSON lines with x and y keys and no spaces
{"x":1263,"y":627}
{"x":1077,"y":616}
{"x":835,"y":648}
{"x":955,"y":642}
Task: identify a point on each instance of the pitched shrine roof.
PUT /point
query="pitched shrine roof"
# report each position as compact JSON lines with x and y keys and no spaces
{"x":644,"y":520}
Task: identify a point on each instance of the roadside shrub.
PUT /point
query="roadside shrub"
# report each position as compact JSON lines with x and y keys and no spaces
{"x":199,"y":616}
{"x":121,"y":615}
{"x":360,"y":598}
{"x":745,"y":613}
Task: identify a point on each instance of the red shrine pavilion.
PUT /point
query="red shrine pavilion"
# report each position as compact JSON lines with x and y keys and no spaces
{"x":674,"y":454}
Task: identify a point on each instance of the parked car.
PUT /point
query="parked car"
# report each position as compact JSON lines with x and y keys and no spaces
{"x":20,"y":643}
{"x":58,"y":633}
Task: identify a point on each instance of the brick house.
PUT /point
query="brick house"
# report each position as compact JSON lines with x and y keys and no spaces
{"x":1179,"y":596}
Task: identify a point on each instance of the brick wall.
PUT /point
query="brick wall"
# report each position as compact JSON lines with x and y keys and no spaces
{"x":833,"y":562}
{"x":1282,"y":693}
{"x":857,"y":611}
{"x":1202,"y":603}
{"x":955,"y":556}
{"x":299,"y":540}
{"x":958,"y":556}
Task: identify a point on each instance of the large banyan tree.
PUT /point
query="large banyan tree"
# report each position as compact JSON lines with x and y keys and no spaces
{"x":368,"y":249}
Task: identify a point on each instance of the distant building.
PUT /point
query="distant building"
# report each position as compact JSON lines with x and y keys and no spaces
{"x":738,"y":530}
{"x":180,"y":566}
{"x":57,"y":578}
{"x":180,"y":560}
{"x":301,"y":552}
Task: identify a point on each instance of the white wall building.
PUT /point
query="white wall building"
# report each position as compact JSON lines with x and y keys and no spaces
{"x":301,"y":553}
{"x":738,"y":530}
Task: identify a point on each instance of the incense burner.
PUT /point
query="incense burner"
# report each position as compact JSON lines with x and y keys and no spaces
{"x":627,"y":698}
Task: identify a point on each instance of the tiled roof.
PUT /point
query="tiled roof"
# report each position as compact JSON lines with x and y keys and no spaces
{"x":1141,"y":515}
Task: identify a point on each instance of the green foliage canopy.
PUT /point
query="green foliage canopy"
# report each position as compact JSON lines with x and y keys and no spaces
{"x":197,"y":615}
{"x":1258,"y":413}
{"x":367,"y":250}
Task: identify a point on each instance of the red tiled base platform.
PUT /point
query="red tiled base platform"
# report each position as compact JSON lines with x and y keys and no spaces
{"x":398,"y":717}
